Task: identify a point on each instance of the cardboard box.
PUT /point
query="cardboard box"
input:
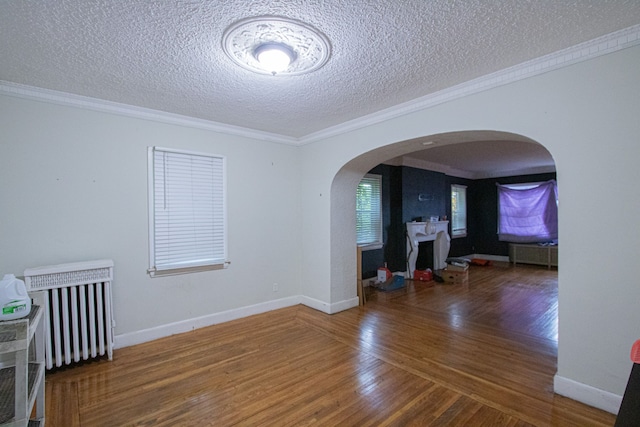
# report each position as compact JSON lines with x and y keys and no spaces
{"x":453,"y":267}
{"x":456,"y":277}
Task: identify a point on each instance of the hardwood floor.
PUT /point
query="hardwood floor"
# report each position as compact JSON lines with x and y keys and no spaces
{"x":428,"y":354}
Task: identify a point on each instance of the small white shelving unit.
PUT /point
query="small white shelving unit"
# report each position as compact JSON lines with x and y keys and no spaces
{"x":22,"y":370}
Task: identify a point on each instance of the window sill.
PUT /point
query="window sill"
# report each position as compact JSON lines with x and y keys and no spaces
{"x":370,"y":246}
{"x":186,"y":270}
{"x":456,"y":236}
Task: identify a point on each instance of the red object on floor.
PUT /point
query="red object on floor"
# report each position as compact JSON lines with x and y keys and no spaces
{"x":482,"y":262}
{"x":423,"y":275}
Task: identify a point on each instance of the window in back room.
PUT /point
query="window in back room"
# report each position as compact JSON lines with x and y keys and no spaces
{"x":458,"y":210}
{"x":369,"y":211}
{"x":528,"y":213}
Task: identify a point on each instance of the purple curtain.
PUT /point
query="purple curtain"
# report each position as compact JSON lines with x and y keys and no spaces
{"x":528,"y":216}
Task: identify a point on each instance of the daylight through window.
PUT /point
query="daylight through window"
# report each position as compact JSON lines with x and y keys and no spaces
{"x":369,"y":210}
{"x":187,"y":224}
{"x":458,"y":210}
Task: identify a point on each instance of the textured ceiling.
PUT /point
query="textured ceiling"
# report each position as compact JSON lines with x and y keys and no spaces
{"x":480,"y":154}
{"x":168,"y":56}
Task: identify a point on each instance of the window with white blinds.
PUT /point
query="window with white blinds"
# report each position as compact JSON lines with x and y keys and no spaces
{"x":458,"y":210}
{"x":369,"y":210}
{"x":187,"y":204}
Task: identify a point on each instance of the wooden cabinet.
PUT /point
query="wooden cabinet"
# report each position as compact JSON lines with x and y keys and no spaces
{"x":22,"y":370}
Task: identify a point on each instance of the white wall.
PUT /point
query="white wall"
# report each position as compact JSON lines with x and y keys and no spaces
{"x":73,"y":186}
{"x":586,"y":115}
{"x":70,"y":177}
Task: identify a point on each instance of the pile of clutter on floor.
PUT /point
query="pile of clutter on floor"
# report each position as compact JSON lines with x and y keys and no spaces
{"x":387,"y":281}
{"x":456,"y":272}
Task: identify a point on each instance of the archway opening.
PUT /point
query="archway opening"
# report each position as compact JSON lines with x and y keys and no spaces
{"x":418,"y":175}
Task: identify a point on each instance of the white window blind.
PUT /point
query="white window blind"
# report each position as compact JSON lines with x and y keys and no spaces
{"x":458,"y":210}
{"x":369,"y":210}
{"x":187,"y":211}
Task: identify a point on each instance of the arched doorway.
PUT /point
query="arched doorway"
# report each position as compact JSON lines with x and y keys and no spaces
{"x":439,"y":146}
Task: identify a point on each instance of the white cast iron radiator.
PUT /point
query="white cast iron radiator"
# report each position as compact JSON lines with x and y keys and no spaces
{"x":78,"y":312}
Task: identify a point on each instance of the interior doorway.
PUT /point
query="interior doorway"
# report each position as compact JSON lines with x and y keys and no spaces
{"x":409,"y":166}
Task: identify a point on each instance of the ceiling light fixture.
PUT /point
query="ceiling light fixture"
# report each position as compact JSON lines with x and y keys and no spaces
{"x":274,"y":57}
{"x":276,"y":45}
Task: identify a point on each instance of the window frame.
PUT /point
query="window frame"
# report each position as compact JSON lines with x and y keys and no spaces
{"x":378,"y":243}
{"x":218,"y":226}
{"x":459,"y":232}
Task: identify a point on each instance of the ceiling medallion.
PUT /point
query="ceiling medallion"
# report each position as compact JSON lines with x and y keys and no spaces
{"x":276,"y":45}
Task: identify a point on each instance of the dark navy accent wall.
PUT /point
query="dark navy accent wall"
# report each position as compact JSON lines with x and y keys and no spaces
{"x":423,"y":194}
{"x":407,"y":193}
{"x":394,"y":250}
{"x":410,"y":193}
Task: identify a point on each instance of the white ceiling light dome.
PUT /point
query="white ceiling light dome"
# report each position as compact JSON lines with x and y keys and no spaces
{"x":274,"y":57}
{"x":276,"y":45}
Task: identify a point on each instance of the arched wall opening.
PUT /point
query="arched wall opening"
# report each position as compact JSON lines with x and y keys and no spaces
{"x":586,"y":119}
{"x":342,"y":215}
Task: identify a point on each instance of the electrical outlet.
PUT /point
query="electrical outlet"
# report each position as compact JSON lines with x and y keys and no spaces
{"x":275,"y":287}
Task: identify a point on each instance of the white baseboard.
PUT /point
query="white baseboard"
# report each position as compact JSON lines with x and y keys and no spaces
{"x":145,"y":335}
{"x":316,"y":304}
{"x":162,"y":331}
{"x":586,"y":394}
{"x":500,"y":258}
{"x":343,"y":305}
{"x":326,"y":307}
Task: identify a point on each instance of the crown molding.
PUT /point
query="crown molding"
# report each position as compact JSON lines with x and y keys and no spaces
{"x":604,"y":45}
{"x":582,"y":52}
{"x":516,"y":172}
{"x":430,"y":166}
{"x":460,"y":173}
{"x":95,"y":104}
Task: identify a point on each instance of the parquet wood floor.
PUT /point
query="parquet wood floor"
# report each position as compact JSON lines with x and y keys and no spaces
{"x":482,"y":354}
